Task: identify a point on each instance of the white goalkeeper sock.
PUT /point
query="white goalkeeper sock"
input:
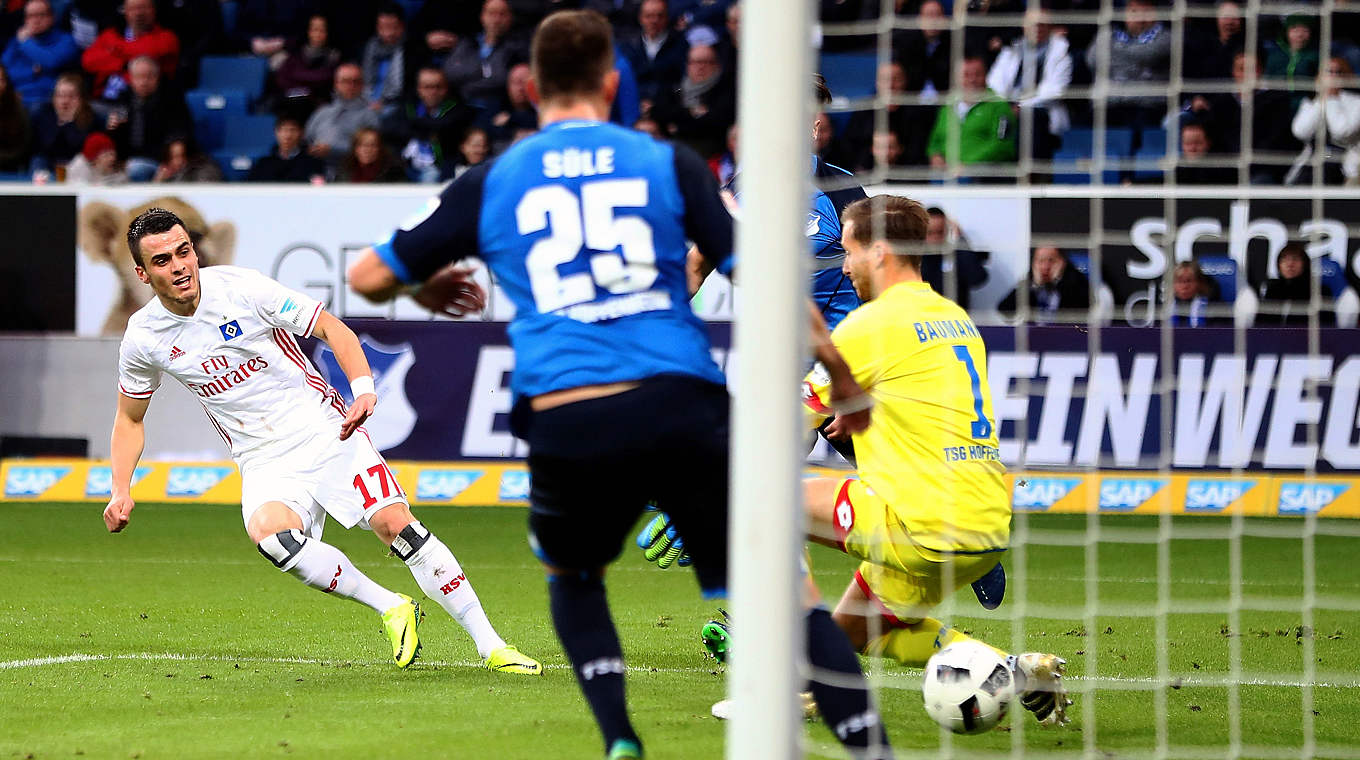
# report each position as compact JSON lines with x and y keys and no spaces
{"x":439,"y":575}
{"x":326,"y":568}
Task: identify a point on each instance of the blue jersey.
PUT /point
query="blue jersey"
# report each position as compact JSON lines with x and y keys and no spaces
{"x":833,"y":190}
{"x":584,"y":225}
{"x":831,"y":290}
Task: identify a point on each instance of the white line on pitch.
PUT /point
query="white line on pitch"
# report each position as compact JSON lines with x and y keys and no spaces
{"x":908,"y":678}
{"x":176,"y":657}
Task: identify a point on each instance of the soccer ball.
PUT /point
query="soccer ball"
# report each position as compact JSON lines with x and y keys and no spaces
{"x":968,"y":687}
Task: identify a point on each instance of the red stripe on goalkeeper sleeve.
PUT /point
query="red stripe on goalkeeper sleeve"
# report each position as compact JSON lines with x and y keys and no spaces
{"x":814,"y":402}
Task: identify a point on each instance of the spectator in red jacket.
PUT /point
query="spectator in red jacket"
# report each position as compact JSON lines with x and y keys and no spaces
{"x":108,"y":57}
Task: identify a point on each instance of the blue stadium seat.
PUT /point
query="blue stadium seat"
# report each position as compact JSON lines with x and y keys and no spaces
{"x":850,"y":75}
{"x":1224,"y":272}
{"x":211,"y":110}
{"x":243,"y":73}
{"x":244,"y":139}
{"x":246,"y":131}
{"x":1149,"y":154}
{"x":236,"y":164}
{"x":1078,"y":144}
{"x":15,"y":177}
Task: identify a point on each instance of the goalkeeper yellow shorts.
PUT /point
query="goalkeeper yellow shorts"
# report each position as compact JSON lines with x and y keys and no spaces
{"x":903,"y":578}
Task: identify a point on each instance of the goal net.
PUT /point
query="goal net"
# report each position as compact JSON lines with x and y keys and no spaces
{"x":1149,"y":212}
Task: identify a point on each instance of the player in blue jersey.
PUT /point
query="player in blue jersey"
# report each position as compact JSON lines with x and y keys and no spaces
{"x":584,"y":225}
{"x":833,"y":189}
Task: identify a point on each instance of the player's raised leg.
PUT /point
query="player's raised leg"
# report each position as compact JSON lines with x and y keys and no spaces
{"x":442,"y":578}
{"x":883,"y":609}
{"x":278,"y":532}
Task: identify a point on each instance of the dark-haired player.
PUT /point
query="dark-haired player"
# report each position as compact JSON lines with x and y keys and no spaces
{"x":584,"y":225}
{"x":834,"y":189}
{"x":227,"y":334}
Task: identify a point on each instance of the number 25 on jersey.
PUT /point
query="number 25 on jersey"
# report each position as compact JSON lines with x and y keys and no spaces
{"x":623,"y":258}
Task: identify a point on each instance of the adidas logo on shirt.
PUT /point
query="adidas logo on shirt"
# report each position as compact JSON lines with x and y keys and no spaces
{"x":175,"y":353}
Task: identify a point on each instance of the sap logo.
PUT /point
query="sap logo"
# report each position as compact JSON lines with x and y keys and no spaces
{"x":514,"y":486}
{"x":194,"y":481}
{"x":1214,"y":495}
{"x":32,"y":480}
{"x":433,"y":485}
{"x":1038,"y":494}
{"x":99,"y":480}
{"x":1122,"y":494}
{"x":1302,"y":498}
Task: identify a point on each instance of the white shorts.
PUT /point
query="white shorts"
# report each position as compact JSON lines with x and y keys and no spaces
{"x":349,"y":480}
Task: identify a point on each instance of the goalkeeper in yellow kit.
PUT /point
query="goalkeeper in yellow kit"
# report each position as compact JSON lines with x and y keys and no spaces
{"x":928,"y":512}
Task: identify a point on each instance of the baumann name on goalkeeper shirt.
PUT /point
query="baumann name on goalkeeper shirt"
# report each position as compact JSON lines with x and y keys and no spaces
{"x":931,"y":451}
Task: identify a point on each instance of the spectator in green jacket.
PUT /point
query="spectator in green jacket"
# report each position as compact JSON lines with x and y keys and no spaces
{"x":1294,"y":57}
{"x":974,"y":126}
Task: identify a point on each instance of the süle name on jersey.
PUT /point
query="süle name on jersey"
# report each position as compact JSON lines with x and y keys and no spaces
{"x":578,"y":162}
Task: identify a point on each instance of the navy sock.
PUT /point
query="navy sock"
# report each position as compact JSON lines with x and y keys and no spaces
{"x":846,"y":709}
{"x":580,"y":612}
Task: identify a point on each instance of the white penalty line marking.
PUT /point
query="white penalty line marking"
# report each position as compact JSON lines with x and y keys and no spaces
{"x":35,"y":662}
{"x":911,"y":679}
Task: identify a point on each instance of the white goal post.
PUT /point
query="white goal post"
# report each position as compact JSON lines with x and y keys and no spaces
{"x":769,"y":333}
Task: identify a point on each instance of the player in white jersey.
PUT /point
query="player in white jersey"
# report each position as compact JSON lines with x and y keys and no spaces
{"x":227,"y":335}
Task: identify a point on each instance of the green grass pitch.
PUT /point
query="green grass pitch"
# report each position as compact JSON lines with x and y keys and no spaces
{"x":176,"y":640}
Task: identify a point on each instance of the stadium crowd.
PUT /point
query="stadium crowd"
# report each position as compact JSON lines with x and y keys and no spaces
{"x":419,"y":90}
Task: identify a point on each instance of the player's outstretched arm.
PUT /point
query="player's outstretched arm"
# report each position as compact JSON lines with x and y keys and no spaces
{"x":450,"y":291}
{"x":372,"y":278}
{"x":350,"y":356}
{"x":126,"y":444}
{"x":848,"y":400}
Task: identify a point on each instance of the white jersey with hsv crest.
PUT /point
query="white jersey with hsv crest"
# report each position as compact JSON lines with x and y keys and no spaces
{"x":237,"y":354}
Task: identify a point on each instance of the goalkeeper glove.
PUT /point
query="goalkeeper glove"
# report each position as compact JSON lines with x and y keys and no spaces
{"x":661,"y":544}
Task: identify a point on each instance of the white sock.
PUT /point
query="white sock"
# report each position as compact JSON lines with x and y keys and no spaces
{"x":439,"y":575}
{"x":325,"y":567}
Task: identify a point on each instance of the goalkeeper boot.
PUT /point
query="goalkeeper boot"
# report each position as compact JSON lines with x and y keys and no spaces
{"x":508,"y":659}
{"x":1040,"y":687}
{"x":401,"y":623}
{"x":717,"y":637}
{"x":625,"y":749}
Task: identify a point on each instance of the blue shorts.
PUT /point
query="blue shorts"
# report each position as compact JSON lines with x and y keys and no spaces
{"x":595,"y":464}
